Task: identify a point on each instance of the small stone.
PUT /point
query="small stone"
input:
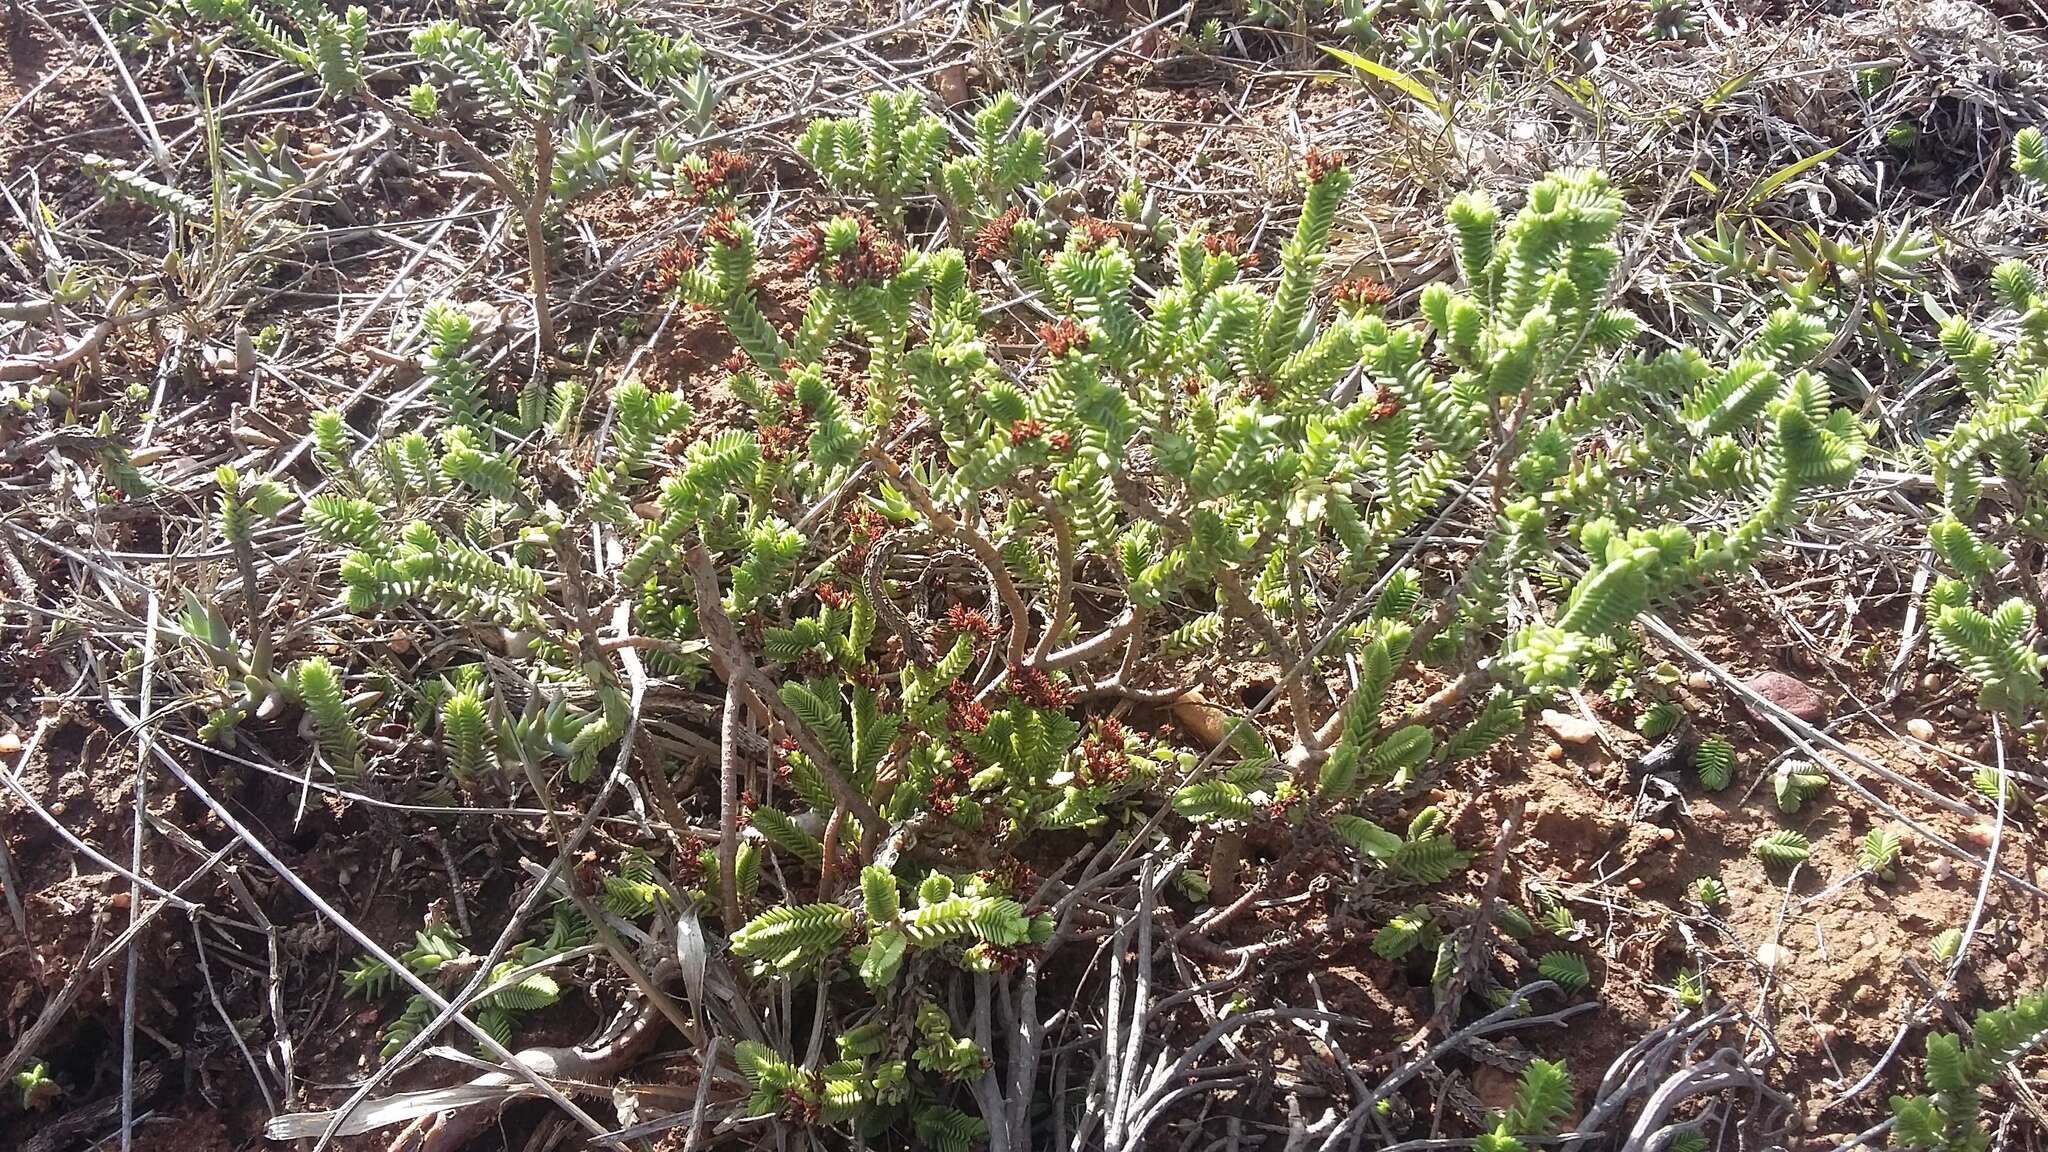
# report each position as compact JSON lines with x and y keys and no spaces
{"x":251,"y":436}
{"x":1666,"y":835}
{"x":1570,"y":729}
{"x":1943,"y":870}
{"x":1553,"y":751}
{"x":1930,"y":683}
{"x":1789,"y":693}
{"x":1772,"y":955}
{"x":1203,"y":720}
{"x":1635,"y":883}
{"x":1920,"y":729}
{"x":10,"y":743}
{"x":1698,"y":681}
{"x":1867,"y":940}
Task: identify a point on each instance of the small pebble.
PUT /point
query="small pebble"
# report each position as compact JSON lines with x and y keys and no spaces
{"x":1772,"y":955}
{"x":9,"y":743}
{"x":1867,"y":940}
{"x":1920,"y":729}
{"x":1635,"y":883}
{"x":1943,"y":870}
{"x":1666,"y":835}
{"x":1203,"y":720}
{"x":1789,"y":693}
{"x":1698,"y":681}
{"x":1570,"y":729}
{"x":1553,"y":752}
{"x":1930,"y":683}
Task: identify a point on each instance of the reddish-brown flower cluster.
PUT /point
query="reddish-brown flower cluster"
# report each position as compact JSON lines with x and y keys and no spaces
{"x":738,"y":362}
{"x":1090,"y":233}
{"x":873,"y":257}
{"x":832,"y":596}
{"x":674,"y":259}
{"x":972,"y":621}
{"x":1260,"y":390}
{"x":992,"y":239}
{"x":1062,"y":337}
{"x":963,"y":712}
{"x":1103,"y":761}
{"x":723,"y":171}
{"x":1012,"y":875}
{"x":723,"y":228}
{"x":864,"y":526}
{"x":804,"y":250}
{"x":1364,"y":292}
{"x":1034,"y":687}
{"x":1060,"y":441}
{"x":779,"y":440}
{"x":943,"y":799}
{"x":1320,"y":164}
{"x":1384,"y":403}
{"x":798,"y":1108}
{"x":1217,"y":243}
{"x":1026,"y":430}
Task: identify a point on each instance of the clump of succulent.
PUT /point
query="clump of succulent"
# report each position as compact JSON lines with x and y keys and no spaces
{"x":908,"y":585}
{"x":1978,"y":619}
{"x":517,"y":985}
{"x":1948,"y":1118}
{"x":1027,"y":35}
{"x":1670,"y":19}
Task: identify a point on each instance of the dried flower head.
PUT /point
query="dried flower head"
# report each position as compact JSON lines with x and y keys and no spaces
{"x":1062,"y":337}
{"x":1364,"y":292}
{"x":1319,"y":164}
{"x":992,"y":239}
